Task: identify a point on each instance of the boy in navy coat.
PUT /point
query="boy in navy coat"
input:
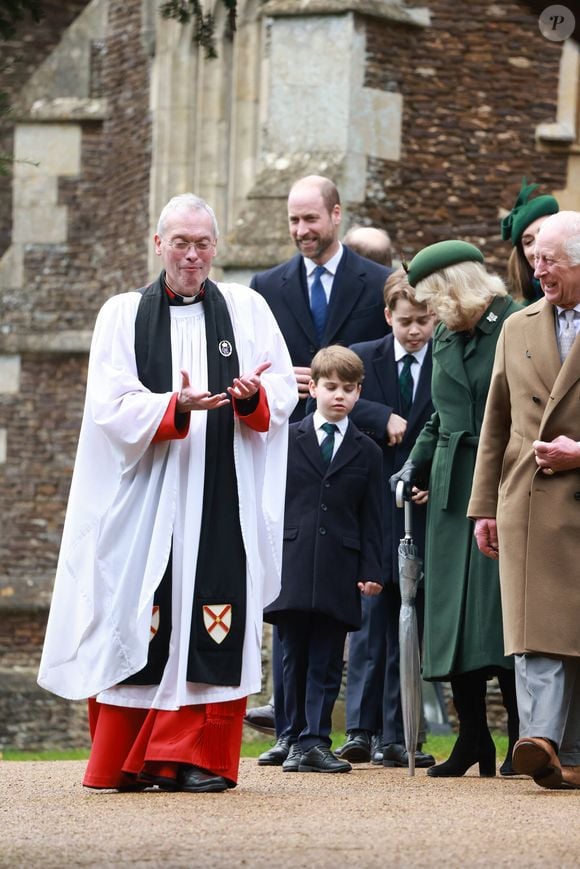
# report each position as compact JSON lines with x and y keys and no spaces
{"x":332,"y":555}
{"x":394,"y":419}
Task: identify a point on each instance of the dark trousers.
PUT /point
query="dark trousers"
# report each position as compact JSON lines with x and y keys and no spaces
{"x":278,"y":684}
{"x":373,"y":686}
{"x":313,"y":647}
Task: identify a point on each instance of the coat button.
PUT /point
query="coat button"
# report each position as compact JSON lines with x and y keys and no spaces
{"x":535,"y":399}
{"x":326,"y":484}
{"x":322,"y":530}
{"x":323,"y":507}
{"x":312,"y":349}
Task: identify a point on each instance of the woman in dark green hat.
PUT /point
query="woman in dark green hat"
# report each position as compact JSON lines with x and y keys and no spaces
{"x":521,"y":227}
{"x":463,"y":634}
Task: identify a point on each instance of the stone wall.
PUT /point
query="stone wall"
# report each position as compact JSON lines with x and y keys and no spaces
{"x":32,"y":719}
{"x":102,"y":252}
{"x":19,"y":57}
{"x":473,"y":83}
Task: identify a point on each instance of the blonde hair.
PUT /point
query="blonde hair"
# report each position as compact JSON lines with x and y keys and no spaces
{"x":459,"y":293}
{"x":341,"y":361}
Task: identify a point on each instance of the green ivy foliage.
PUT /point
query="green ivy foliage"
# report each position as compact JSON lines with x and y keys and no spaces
{"x":14,"y":10}
{"x":185,"y":11}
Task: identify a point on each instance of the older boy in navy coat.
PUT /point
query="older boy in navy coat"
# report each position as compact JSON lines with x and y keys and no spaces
{"x":332,"y":555}
{"x":373,"y":700}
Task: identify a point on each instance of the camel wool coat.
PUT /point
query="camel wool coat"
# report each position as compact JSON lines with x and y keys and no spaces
{"x":533,"y":397}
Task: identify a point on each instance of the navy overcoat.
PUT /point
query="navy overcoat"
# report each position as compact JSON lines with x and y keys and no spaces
{"x":355,"y":310}
{"x":332,"y":526}
{"x":379,"y":399}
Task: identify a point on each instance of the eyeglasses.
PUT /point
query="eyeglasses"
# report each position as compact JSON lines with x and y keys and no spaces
{"x":185,"y":246}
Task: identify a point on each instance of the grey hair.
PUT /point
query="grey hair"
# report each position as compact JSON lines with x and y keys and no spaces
{"x":187,"y":202}
{"x":459,"y":292}
{"x":568,"y":223}
{"x":571,"y":243}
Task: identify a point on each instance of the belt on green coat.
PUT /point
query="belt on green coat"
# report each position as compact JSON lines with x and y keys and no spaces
{"x":451,"y":440}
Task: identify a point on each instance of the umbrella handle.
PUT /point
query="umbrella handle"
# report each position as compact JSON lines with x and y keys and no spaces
{"x":400,"y":494}
{"x":402,"y":502}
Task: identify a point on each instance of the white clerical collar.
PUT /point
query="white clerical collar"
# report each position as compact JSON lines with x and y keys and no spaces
{"x":400,"y":351}
{"x":319,"y":420}
{"x":330,"y":266}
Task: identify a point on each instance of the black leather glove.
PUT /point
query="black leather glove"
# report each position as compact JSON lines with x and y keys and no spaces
{"x":407,"y":475}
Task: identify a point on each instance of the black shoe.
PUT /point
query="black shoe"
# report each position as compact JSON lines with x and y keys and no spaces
{"x":465,"y":753}
{"x":277,"y":754}
{"x":133,"y":788}
{"x":357,"y":748}
{"x":262,"y":719}
{"x":320,"y":758}
{"x":292,"y":762}
{"x":194,"y":780}
{"x":377,"y":749}
{"x":395,"y":754}
{"x":163,"y":782}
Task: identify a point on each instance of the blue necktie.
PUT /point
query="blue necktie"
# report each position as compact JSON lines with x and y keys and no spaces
{"x":327,"y":445}
{"x":318,"y":303}
{"x":406,"y":385}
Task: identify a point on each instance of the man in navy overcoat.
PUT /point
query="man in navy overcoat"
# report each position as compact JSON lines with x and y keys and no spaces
{"x":373,"y":687}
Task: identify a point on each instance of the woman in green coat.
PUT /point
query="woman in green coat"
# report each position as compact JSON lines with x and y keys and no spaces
{"x":463,"y":638}
{"x":521,"y":227}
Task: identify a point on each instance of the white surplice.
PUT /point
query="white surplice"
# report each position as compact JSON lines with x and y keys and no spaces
{"x":131,"y":501}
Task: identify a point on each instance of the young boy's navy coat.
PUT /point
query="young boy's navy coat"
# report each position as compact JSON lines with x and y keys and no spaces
{"x":379,"y":399}
{"x":332,"y":526}
{"x":373,"y":685}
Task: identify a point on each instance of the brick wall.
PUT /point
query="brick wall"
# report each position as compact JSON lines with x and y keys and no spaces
{"x":123,"y":213}
{"x":475,"y":84}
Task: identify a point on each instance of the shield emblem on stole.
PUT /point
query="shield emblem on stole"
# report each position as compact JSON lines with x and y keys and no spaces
{"x":154,"y":622}
{"x":217,"y":619}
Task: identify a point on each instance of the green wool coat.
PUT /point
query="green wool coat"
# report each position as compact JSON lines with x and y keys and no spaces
{"x":463,"y":621}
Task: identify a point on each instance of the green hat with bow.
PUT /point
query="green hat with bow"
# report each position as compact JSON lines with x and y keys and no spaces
{"x":525,"y":211}
{"x":439,"y":256}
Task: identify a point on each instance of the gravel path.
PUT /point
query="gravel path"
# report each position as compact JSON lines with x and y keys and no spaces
{"x":273,"y":820}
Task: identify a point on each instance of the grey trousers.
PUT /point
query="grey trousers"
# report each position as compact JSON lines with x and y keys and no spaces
{"x":548,"y":692}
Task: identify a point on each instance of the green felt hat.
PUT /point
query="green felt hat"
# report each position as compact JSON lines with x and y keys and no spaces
{"x":439,"y":256}
{"x":525,"y":211}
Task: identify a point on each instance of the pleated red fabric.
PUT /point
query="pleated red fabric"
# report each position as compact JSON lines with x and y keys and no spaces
{"x":128,"y":742}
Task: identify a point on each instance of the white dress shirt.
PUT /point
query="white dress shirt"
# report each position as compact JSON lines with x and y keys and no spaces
{"x":341,"y":425}
{"x":419,"y":355}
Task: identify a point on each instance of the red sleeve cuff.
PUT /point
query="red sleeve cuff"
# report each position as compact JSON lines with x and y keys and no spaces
{"x":258,"y":419}
{"x":174,"y":425}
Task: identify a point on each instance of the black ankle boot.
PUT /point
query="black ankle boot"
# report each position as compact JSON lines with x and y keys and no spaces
{"x":506,"y":768}
{"x":474,"y":743}
{"x":467,"y":751}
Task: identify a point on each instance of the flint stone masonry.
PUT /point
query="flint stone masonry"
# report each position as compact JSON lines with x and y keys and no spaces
{"x":427,"y":115}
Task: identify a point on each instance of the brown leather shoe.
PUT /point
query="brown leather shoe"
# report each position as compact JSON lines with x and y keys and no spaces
{"x":536,"y":757}
{"x":571,"y":777}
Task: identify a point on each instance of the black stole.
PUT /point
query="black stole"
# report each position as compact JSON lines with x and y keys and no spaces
{"x":220,"y":577}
